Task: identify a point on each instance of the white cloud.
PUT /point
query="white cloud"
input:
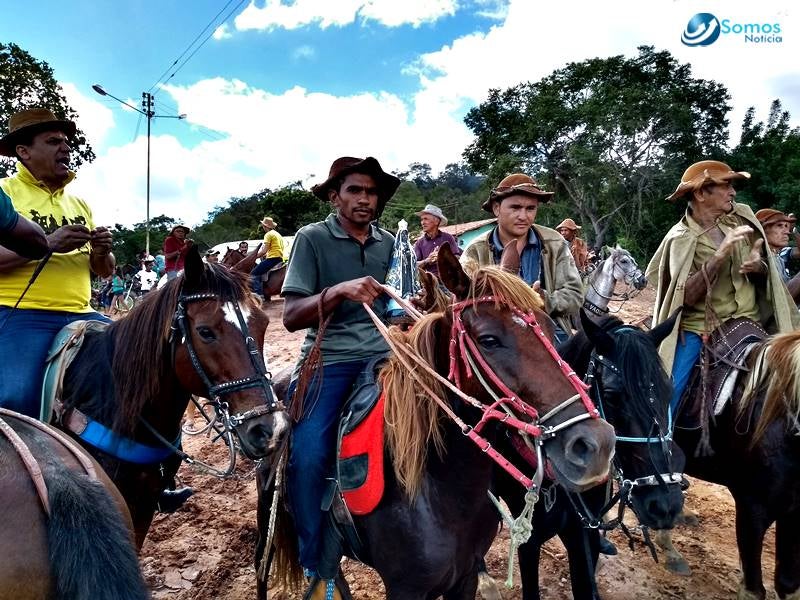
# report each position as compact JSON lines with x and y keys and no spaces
{"x":304,"y":52}
{"x":326,"y":13}
{"x":222,"y":32}
{"x":96,"y":119}
{"x":273,"y":139}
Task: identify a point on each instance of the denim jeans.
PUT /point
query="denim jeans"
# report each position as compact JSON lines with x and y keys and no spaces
{"x":263,"y":267}
{"x":687,"y":352}
{"x":25,"y":339}
{"x":313,"y":452}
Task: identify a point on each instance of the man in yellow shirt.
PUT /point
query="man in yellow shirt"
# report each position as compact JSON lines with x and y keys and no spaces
{"x":61,"y":292}
{"x":271,"y":254}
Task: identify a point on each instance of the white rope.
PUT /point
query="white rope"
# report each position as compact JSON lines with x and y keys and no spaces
{"x":273,"y":511}
{"x":520,"y":529}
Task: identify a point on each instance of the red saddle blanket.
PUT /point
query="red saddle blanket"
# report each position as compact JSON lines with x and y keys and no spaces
{"x":360,"y":467}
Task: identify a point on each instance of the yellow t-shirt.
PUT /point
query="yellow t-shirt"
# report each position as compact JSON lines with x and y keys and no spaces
{"x":273,"y":242}
{"x":64,"y":283}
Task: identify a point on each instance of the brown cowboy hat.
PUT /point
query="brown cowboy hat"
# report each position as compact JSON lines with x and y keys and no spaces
{"x":32,"y":121}
{"x":518,"y":183}
{"x":568,"y":224}
{"x":703,"y":173}
{"x":770,"y":216}
{"x":341,"y":167}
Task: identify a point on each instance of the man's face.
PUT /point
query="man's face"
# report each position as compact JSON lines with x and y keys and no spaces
{"x":567,"y":233}
{"x":148,"y":266}
{"x":356,"y":200}
{"x":47,"y":157}
{"x":718,"y":197}
{"x":212,"y":258}
{"x":429,"y":223}
{"x":778,"y":234}
{"x":243,"y":247}
{"x":515,"y":214}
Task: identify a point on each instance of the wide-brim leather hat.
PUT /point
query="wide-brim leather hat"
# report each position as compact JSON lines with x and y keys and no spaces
{"x":568,"y":224}
{"x":517,"y":183}
{"x":346,"y":165}
{"x":770,"y":216}
{"x":703,"y":173}
{"x":184,"y":227}
{"x":32,"y":121}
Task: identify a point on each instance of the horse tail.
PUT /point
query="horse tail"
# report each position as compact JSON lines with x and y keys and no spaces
{"x":91,"y":552}
{"x":287,"y":552}
{"x":777,"y":367}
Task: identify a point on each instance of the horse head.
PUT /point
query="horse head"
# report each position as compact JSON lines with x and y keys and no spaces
{"x":633,"y":392}
{"x":506,"y":338}
{"x":248,"y":261}
{"x":625,"y":268}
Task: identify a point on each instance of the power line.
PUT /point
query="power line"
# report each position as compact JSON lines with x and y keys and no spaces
{"x":197,"y":37}
{"x":188,"y":58}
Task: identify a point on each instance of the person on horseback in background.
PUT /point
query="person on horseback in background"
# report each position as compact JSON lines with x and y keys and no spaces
{"x":577,"y":247}
{"x":338,"y":263}
{"x":546,"y":263}
{"x":777,"y":226}
{"x":176,"y":245}
{"x":271,"y":254}
{"x":62,"y":291}
{"x":426,"y":248}
{"x":717,"y":244}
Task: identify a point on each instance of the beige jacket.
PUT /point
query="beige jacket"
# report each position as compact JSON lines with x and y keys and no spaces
{"x":562,"y":288}
{"x":670,"y":268}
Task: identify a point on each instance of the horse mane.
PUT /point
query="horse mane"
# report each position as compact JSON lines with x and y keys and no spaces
{"x":776,"y":368}
{"x":413,"y":421}
{"x":141,"y":360}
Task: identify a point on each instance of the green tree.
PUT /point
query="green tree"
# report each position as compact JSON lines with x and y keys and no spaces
{"x":28,"y":83}
{"x":611,"y":135}
{"x":771,"y":153}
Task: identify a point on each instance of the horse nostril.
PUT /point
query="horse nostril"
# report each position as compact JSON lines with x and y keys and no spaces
{"x":258,"y":436}
{"x":580,"y":450}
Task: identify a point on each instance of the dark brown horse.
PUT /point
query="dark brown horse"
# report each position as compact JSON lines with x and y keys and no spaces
{"x":756,"y":455}
{"x":434,"y":522}
{"x":65,"y":534}
{"x":203,"y":334}
{"x":272,"y":280}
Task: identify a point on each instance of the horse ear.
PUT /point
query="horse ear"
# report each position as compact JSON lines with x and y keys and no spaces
{"x":659,"y":333}
{"x":603,"y":342}
{"x":193,"y":269}
{"x":452,"y":275}
{"x":428,"y":281}
{"x":509,"y":260}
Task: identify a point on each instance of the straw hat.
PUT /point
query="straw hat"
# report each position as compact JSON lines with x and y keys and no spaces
{"x":32,"y":121}
{"x":434,"y":211}
{"x":268,"y":222}
{"x":568,"y":224}
{"x":703,"y":173}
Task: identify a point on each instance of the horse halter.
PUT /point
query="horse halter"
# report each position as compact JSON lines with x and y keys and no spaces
{"x":260,"y":378}
{"x":463,"y":347}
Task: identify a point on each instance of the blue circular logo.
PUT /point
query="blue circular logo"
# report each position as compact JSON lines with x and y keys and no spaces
{"x":703,"y":29}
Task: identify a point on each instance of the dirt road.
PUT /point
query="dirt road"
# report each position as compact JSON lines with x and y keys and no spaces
{"x":205,"y":551}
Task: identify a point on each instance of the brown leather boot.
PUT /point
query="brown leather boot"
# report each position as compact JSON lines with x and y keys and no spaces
{"x":318,"y":590}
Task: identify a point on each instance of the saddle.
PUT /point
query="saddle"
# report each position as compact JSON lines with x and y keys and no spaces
{"x":727,"y":350}
{"x":63,"y":350}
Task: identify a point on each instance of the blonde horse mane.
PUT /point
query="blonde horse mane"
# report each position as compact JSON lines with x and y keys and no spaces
{"x":412,"y":417}
{"x":776,"y":368}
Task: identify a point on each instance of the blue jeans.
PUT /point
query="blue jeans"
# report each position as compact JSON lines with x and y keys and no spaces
{"x":263,"y":267}
{"x":25,"y":339}
{"x":313,"y":452}
{"x":687,"y":352}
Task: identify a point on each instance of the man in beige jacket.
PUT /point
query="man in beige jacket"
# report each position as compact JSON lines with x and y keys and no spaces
{"x":545,"y":259}
{"x":725,"y":240}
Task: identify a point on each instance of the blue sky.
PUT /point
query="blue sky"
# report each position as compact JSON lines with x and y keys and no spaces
{"x":282,"y":89}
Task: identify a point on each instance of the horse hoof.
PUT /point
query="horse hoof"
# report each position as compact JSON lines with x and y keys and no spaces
{"x":795,"y":595}
{"x":744,"y":594}
{"x":688,"y":518}
{"x":678,"y":566}
{"x":487,"y":587}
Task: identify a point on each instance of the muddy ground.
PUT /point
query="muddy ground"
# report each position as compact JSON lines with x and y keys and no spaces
{"x":205,"y":551}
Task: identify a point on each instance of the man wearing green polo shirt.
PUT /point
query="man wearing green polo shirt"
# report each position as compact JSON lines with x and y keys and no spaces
{"x":341,"y":263}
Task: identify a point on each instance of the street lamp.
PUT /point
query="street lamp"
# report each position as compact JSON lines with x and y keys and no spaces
{"x":147,"y":111}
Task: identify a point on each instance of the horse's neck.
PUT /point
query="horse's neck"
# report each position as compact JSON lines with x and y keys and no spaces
{"x":601,"y":285}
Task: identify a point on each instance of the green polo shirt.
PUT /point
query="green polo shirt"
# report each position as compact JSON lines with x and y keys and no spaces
{"x":323,"y":254}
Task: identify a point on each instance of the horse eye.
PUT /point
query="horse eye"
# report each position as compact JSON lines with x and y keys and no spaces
{"x":206,"y":334}
{"x":489,"y":341}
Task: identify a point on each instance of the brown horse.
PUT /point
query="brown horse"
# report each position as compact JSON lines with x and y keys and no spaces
{"x":125,"y":393}
{"x":272,"y":280}
{"x":756,"y":455}
{"x":65,"y":533}
{"x":434,"y":522}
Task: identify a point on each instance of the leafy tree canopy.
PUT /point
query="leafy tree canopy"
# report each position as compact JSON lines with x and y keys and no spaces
{"x":29,"y":83}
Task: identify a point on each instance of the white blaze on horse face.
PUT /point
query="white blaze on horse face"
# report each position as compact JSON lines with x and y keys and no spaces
{"x":229,"y":311}
{"x":519,"y":321}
